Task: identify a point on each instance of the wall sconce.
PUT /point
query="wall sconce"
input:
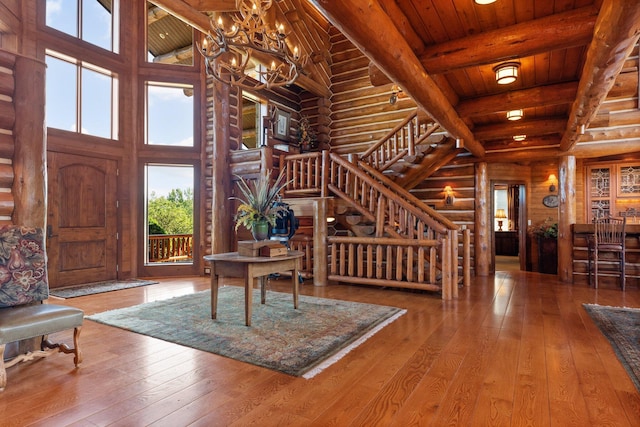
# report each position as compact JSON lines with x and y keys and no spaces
{"x":448,"y":196}
{"x":506,"y":73}
{"x":554,"y":181}
{"x":519,"y":137}
{"x":396,"y":91}
{"x":514,"y":115}
{"x":500,"y":216}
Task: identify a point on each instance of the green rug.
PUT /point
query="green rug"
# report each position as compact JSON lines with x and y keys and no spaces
{"x":97,"y":288}
{"x":298,"y":342}
{"x":621,"y":326}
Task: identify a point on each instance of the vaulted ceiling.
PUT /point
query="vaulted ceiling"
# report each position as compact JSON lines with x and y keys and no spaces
{"x":578,"y":63}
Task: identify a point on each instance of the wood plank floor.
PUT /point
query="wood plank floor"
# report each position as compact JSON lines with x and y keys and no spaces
{"x":515,"y":349}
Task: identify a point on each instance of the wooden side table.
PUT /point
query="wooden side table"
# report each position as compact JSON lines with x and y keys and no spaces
{"x":231,"y":264}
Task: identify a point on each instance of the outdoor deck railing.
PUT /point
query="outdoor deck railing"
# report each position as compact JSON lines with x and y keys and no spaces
{"x":170,"y":247}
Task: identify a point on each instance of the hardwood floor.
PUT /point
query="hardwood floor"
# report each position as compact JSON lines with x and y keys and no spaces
{"x":516,"y":348}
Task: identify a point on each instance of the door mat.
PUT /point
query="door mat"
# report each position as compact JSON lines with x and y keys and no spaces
{"x":97,"y":288}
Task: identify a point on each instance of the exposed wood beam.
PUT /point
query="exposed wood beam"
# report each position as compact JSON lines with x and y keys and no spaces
{"x":606,"y":148}
{"x":562,"y":93}
{"x":616,"y":33}
{"x":213,"y":5}
{"x":185,"y":13}
{"x":527,"y":155}
{"x":541,"y":126}
{"x":9,"y":23}
{"x":367,"y":25}
{"x":175,"y":56}
{"x":508,"y":144}
{"x":200,"y":22}
{"x":558,"y":31}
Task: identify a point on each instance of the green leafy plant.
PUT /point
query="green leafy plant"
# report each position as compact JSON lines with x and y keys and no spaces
{"x":548,"y":229}
{"x":257,"y":200}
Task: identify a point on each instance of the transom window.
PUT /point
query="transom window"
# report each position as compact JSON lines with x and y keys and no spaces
{"x":170,"y":114}
{"x":80,"y":96}
{"x":94,"y":21}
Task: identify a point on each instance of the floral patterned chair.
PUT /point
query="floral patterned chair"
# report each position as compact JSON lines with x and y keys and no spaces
{"x":23,"y":291}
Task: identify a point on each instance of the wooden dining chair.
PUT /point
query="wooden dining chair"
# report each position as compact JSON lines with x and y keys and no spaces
{"x":608,"y":237}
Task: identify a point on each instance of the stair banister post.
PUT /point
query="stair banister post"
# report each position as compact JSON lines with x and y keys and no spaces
{"x":320,"y":232}
{"x":324,"y":191}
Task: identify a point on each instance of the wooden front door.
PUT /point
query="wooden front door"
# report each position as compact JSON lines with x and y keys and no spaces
{"x":81,"y":224}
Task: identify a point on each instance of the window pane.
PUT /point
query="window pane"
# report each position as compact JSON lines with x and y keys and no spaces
{"x":96,"y":104}
{"x":61,"y":94}
{"x":63,"y":16}
{"x":170,"y":115}
{"x":169,"y":40}
{"x":169,"y":207}
{"x":96,"y":23}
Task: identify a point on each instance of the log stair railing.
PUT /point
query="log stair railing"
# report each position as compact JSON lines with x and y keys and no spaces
{"x":413,"y":246}
{"x":400,"y":142}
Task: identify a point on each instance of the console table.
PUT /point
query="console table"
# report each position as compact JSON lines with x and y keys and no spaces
{"x":250,"y":268}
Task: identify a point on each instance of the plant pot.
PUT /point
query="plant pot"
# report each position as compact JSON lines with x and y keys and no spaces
{"x":260,"y":230}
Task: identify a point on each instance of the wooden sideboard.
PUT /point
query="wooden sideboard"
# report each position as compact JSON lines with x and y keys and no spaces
{"x":507,"y":243}
{"x":608,"y":276}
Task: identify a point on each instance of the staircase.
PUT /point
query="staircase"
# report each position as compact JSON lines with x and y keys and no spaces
{"x":411,"y":245}
{"x":411,"y":152}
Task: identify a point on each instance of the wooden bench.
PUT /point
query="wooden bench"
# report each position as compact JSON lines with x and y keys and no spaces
{"x":23,"y":290}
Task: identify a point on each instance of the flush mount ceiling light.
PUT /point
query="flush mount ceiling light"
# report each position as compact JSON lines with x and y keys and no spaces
{"x":519,"y":137}
{"x":506,"y":73}
{"x":484,"y":1}
{"x":514,"y":114}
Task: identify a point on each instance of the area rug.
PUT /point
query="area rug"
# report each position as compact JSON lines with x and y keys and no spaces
{"x":621,"y":326}
{"x":299,"y":342}
{"x":98,"y":288}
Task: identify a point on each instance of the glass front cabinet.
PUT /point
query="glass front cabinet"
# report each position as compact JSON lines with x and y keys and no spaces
{"x":613,"y":189}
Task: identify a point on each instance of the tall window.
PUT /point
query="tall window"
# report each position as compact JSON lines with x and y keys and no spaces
{"x":81,"y":97}
{"x":170,"y":114}
{"x":94,"y":21}
{"x":169,"y":213}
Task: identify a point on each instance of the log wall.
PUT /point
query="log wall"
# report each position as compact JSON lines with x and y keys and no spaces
{"x":7,"y":139}
{"x":360,"y":113}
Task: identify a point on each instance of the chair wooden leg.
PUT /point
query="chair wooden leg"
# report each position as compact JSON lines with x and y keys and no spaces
{"x":76,"y":346}
{"x":623,"y":276}
{"x":3,"y":371}
{"x":595,"y":268}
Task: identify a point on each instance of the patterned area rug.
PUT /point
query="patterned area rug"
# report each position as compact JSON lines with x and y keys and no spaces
{"x":298,"y":342}
{"x":97,"y":288}
{"x":621,"y":326}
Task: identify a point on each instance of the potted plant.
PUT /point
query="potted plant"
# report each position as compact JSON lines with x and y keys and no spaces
{"x":546,"y":234}
{"x":258,"y":210}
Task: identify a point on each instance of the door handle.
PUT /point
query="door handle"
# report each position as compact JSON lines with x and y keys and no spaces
{"x":50,"y":232}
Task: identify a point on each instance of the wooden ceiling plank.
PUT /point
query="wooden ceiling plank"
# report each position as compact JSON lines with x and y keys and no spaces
{"x":541,"y":126}
{"x":200,"y":21}
{"x":616,"y":32}
{"x":561,"y":93}
{"x":371,"y":29}
{"x":559,"y":31}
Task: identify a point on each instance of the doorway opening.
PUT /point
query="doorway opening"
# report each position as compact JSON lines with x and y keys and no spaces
{"x":509,"y":226}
